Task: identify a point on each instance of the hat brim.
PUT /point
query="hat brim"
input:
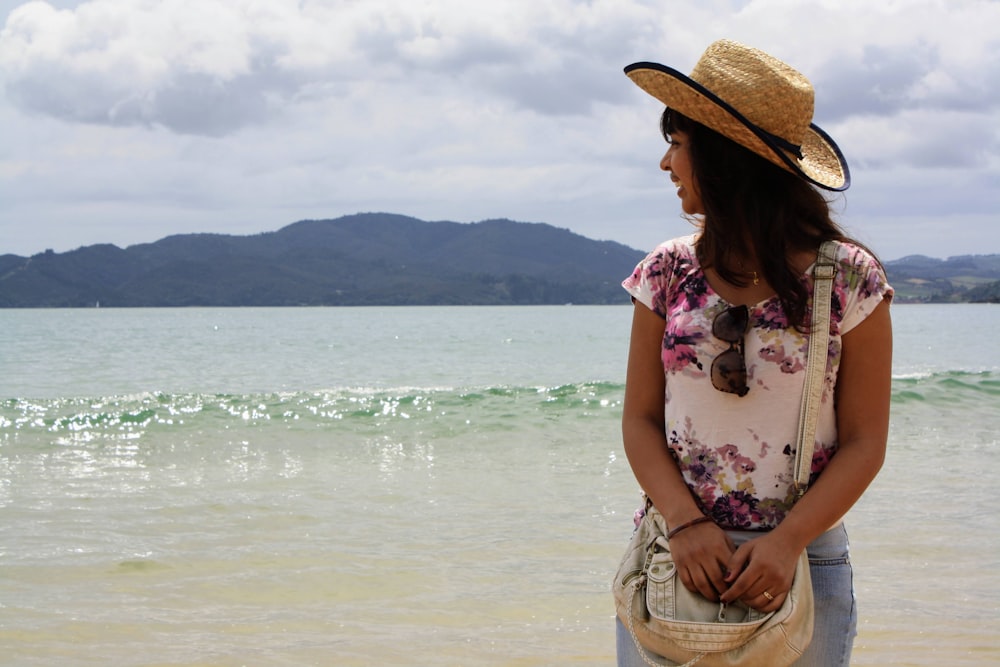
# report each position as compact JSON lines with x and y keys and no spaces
{"x":821,"y":162}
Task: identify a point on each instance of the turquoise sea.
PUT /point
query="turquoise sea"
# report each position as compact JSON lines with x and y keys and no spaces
{"x":416,"y":486}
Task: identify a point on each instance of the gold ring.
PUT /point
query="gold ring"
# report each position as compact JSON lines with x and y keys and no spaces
{"x":770,"y":598}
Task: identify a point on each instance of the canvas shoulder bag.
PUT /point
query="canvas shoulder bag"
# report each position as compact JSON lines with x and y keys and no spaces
{"x":665,"y":618}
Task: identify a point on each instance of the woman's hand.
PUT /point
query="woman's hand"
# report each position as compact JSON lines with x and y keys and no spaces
{"x":701,"y":554}
{"x":761,"y":572}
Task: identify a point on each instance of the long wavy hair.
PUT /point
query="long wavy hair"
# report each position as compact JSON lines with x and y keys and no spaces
{"x":753,"y":206}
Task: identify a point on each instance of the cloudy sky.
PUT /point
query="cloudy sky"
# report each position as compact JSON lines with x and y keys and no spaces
{"x":124,"y":121}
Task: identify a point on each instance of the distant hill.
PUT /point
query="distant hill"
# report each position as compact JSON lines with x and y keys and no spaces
{"x":364,"y":259}
{"x":386,"y":259}
{"x":920,"y":279}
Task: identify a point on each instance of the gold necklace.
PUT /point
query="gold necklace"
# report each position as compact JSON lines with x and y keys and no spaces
{"x":756,"y":278}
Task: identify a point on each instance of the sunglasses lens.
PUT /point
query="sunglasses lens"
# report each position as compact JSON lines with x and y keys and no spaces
{"x":730,"y":324}
{"x":729,"y":373}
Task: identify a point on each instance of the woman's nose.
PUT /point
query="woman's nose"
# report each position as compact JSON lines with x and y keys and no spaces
{"x":665,"y":161}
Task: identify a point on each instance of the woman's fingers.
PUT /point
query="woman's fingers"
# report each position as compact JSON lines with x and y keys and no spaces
{"x":702,"y":581}
{"x":701,"y":554}
{"x":766,"y":601}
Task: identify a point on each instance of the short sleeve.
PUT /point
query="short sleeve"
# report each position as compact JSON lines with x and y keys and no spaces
{"x":651,"y":281}
{"x":861,"y":285}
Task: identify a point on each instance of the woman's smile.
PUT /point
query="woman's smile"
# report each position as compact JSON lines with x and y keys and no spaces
{"x":677,"y":161}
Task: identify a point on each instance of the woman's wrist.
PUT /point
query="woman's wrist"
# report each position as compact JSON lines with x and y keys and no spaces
{"x":687,"y":524}
{"x":795,"y":532}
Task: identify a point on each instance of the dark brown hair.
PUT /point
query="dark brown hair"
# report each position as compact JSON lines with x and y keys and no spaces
{"x":753,"y":206}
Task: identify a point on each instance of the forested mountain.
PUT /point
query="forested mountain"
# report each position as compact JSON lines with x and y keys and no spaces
{"x":364,"y":259}
{"x":386,"y":259}
{"x":964,"y":278}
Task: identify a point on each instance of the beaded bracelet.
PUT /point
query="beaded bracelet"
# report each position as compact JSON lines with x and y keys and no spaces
{"x":683,"y":526}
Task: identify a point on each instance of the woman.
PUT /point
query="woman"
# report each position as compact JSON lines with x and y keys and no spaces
{"x":710,"y":414}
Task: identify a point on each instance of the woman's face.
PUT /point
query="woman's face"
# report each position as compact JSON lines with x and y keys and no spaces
{"x":677,"y":161}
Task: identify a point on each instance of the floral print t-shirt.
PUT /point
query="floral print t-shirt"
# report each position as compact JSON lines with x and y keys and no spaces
{"x":737,"y":453}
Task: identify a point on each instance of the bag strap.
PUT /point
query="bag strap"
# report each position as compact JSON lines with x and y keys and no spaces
{"x":819,"y":342}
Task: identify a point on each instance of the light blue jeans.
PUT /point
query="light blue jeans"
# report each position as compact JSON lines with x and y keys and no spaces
{"x":836,"y":609}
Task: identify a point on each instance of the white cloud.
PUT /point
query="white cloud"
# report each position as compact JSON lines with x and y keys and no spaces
{"x":244,"y":115}
{"x":213,"y":66}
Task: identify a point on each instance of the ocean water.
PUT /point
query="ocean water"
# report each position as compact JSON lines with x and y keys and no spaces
{"x":416,"y":486}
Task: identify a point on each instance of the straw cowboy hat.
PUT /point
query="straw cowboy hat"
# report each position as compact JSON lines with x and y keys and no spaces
{"x":757,"y":101}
